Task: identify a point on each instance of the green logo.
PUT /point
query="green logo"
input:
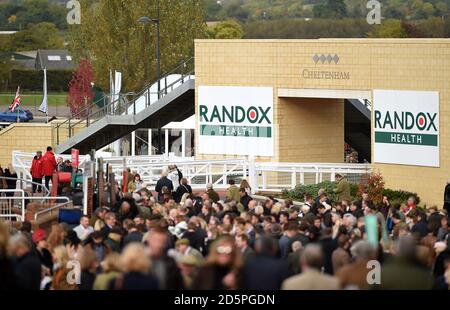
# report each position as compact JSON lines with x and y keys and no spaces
{"x":401,"y":123}
{"x":237,"y":115}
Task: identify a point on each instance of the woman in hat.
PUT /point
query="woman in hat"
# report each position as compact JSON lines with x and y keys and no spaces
{"x":40,"y":240}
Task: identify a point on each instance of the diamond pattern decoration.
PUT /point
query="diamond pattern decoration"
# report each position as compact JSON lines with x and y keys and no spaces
{"x":326,"y":58}
{"x":316,"y":58}
{"x":336,"y":59}
{"x":323,"y":58}
{"x":329,"y":58}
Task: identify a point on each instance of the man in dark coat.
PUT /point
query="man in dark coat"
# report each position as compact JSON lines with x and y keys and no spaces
{"x":163,"y":182}
{"x":245,"y":198}
{"x":196,"y":236}
{"x":326,"y":216}
{"x":264,"y":271}
{"x":133,"y":236}
{"x":328,"y":247}
{"x":421,"y":226}
{"x":28,"y":266}
{"x":164,"y":267}
{"x":447,"y":198}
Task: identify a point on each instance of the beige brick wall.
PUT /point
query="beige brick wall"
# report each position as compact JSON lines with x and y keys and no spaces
{"x":311,"y":128}
{"x":399,"y":64}
{"x":24,"y":137}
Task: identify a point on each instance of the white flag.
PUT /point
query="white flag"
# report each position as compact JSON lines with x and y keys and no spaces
{"x":117,"y":85}
{"x":44,"y":105}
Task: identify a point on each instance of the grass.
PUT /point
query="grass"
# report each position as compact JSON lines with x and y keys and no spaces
{"x":35,"y":99}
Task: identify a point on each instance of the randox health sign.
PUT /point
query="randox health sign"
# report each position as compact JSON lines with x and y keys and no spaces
{"x":406,"y":127}
{"x":235,"y":120}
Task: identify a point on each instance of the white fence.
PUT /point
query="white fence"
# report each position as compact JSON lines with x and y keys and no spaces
{"x":262,"y":176}
{"x":18,"y":201}
{"x":268,"y":177}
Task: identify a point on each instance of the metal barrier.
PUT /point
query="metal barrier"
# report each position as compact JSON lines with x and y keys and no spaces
{"x":20,"y":181}
{"x":22,"y":200}
{"x":198,"y":173}
{"x":262,"y":176}
{"x":8,"y":214}
{"x":271,"y":177}
{"x":51,"y":209}
{"x":276,"y":177}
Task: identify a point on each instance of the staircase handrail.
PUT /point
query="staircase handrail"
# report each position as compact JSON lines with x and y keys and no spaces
{"x":87,"y":115}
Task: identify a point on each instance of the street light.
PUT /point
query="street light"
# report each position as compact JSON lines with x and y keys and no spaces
{"x":145,"y":20}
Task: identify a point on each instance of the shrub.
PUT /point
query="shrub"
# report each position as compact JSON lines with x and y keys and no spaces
{"x":395,"y":196}
{"x":399,"y":196}
{"x":373,"y":184}
{"x":301,"y":190}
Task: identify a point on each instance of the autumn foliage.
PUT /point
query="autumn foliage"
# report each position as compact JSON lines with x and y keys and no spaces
{"x":372,"y":184}
{"x":80,"y":89}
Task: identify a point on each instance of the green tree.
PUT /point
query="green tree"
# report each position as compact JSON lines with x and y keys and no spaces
{"x":237,"y":11}
{"x":111,"y":37}
{"x":229,"y":29}
{"x":40,"y":36}
{"x":18,"y":16}
{"x":5,"y":72}
{"x":331,"y":9}
{"x":212,"y":10}
{"x":391,"y":28}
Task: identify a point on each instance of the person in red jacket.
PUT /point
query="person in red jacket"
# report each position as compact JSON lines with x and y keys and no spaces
{"x":36,"y":172}
{"x":48,"y":166}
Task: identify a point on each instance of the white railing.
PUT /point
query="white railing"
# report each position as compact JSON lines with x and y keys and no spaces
{"x":271,"y":177}
{"x":19,"y":201}
{"x":262,"y":176}
{"x":9,"y":214}
{"x":198,"y":173}
{"x":275,"y":177}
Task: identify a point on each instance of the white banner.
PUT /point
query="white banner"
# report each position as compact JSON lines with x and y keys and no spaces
{"x":44,"y":105}
{"x":235,"y":120}
{"x":117,"y":85}
{"x":406,"y":127}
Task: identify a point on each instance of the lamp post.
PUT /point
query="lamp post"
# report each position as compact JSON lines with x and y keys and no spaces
{"x":146,"y":20}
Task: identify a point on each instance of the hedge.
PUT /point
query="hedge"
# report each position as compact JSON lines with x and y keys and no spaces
{"x":301,"y":190}
{"x":32,"y":80}
{"x":395,"y":196}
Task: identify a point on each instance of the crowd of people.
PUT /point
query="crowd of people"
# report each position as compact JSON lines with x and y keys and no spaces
{"x":170,"y":237}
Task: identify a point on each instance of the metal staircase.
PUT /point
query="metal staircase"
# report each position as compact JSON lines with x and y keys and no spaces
{"x":94,"y":128}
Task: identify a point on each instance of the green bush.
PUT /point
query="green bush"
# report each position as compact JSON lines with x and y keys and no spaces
{"x":400,"y":196}
{"x":395,"y":196}
{"x":301,"y":190}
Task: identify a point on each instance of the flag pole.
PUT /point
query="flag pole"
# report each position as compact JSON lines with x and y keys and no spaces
{"x":18,"y":118}
{"x":44,"y":105}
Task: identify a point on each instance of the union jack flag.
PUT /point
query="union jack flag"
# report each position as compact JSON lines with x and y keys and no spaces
{"x":16,"y":101}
